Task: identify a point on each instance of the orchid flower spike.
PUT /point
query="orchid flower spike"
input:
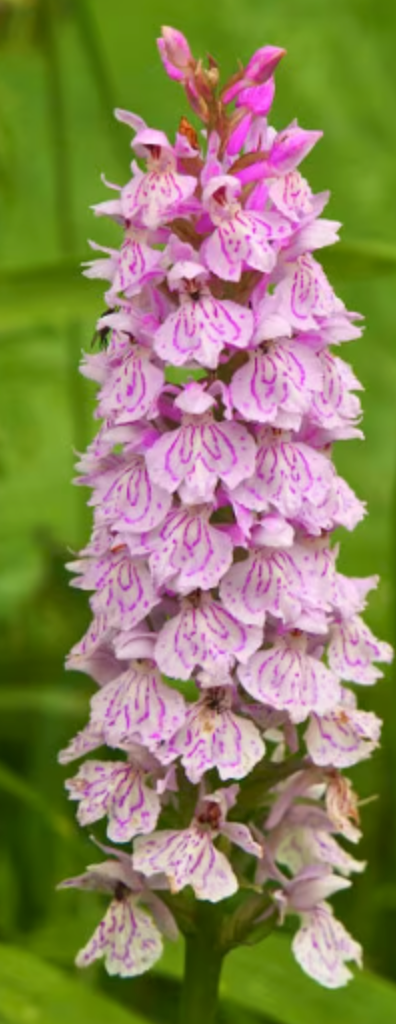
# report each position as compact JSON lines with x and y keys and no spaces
{"x":226,"y":647}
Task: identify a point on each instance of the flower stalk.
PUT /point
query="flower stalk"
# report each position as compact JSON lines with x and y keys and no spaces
{"x":202,"y":970}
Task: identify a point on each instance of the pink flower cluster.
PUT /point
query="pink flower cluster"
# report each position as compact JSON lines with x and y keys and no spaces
{"x":223,"y":635}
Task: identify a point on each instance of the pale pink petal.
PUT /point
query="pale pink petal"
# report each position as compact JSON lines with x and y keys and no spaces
{"x":136,"y":263}
{"x":199,"y":454}
{"x":131,"y":391}
{"x":98,"y":633}
{"x":288,"y":679}
{"x":187,"y":858}
{"x":335,"y":405}
{"x":129,"y":499}
{"x":342,"y":737}
{"x":314,"y":883}
{"x":187,"y":552}
{"x":137,"y":704}
{"x":288,"y":474}
{"x":102,"y":665}
{"x":322,"y":946}
{"x":175,"y":53}
{"x":291,"y":146}
{"x":297,"y":847}
{"x":214,"y":737}
{"x":205,"y":635}
{"x":291,"y":195}
{"x":155,"y":196}
{"x":272,"y":531}
{"x":83,"y":743}
{"x":305,"y":295}
{"x":243,"y":241}
{"x":124,"y":589}
{"x":194,"y":399}
{"x":241,"y":836}
{"x":126,"y":937}
{"x":201,"y":329}
{"x":117,"y":790}
{"x":268,"y":580}
{"x":352,"y":650}
{"x":316,"y":233}
{"x":277,"y":386}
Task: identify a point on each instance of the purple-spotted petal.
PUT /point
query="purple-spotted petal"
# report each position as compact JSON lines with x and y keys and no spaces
{"x":138,"y":705}
{"x":352,"y":650}
{"x":268,"y":580}
{"x":136,"y":263}
{"x":199,"y":454}
{"x":124,"y":588}
{"x":187,"y":858}
{"x":126,"y":938}
{"x":334,"y":405}
{"x":187,"y":552}
{"x":292,"y":195}
{"x":288,"y":679}
{"x":155,"y":196}
{"x":243,"y":240}
{"x":277,"y":386}
{"x":305,"y":295}
{"x":115,"y":789}
{"x":289,"y":475}
{"x":129,"y":500}
{"x":200,"y":330}
{"x":342,"y":737}
{"x":322,"y":946}
{"x":131,"y":391}
{"x":83,"y":743}
{"x":214,"y":737}
{"x":205,"y":635}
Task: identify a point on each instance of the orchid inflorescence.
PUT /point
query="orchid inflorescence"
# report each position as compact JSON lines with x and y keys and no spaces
{"x":223,"y":634}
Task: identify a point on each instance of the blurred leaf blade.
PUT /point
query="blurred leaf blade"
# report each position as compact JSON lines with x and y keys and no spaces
{"x":46,"y":295}
{"x":32,"y":992}
{"x":24,"y":699}
{"x":17,"y":787}
{"x":265,"y":978}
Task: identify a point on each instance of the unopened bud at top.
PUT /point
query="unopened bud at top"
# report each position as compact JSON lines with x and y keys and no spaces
{"x":263,"y":63}
{"x":175,"y":53}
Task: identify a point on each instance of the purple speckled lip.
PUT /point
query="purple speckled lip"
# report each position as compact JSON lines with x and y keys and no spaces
{"x":224,"y":636}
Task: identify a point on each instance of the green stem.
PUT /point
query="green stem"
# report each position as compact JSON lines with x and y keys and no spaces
{"x":202,"y":969}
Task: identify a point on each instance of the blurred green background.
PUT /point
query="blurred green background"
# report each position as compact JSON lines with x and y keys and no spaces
{"x":63,"y":66}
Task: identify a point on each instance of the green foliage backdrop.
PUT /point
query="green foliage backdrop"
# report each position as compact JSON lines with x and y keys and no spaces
{"x":63,"y":66}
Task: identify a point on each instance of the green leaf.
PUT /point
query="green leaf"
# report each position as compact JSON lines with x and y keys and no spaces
{"x":60,"y":703}
{"x":359,"y":259}
{"x":47,"y":295}
{"x":31,"y":992}
{"x":267,"y":980}
{"x":18,"y":788}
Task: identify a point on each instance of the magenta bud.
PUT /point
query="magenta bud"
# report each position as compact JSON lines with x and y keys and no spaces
{"x":175,"y":52}
{"x":263,"y":63}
